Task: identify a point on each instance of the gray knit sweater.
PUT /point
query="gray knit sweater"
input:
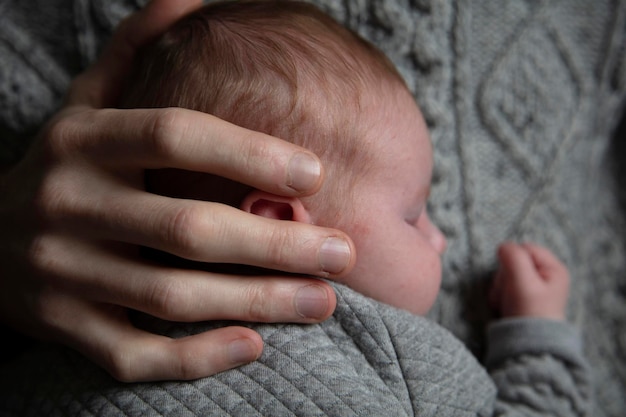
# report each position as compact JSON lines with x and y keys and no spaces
{"x":522,"y":99}
{"x":369,"y":359}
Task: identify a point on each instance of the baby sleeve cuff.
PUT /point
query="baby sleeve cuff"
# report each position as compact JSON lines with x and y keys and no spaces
{"x":512,"y":337}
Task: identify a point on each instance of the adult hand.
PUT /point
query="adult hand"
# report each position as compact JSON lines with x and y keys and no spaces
{"x":530,"y":282}
{"x":74,"y":214}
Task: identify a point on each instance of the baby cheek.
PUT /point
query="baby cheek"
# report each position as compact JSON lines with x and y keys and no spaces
{"x":427,"y":279}
{"x":416,"y":278}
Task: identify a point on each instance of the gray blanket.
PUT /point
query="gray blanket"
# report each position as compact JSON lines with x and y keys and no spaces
{"x":522,"y":98}
{"x":369,"y":359}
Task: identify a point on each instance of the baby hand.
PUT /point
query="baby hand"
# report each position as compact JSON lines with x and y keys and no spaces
{"x":530,"y":281}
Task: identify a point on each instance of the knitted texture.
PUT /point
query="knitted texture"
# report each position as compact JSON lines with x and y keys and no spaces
{"x":369,"y":359}
{"x":522,"y":99}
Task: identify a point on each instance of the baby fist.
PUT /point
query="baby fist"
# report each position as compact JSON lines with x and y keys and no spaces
{"x":530,"y":281}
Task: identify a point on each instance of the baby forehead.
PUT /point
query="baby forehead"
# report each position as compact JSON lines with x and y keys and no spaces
{"x":394,"y":123}
{"x":387,"y":156}
{"x":379,"y":125}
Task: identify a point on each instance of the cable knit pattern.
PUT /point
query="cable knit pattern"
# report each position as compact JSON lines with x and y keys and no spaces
{"x":522,"y":99}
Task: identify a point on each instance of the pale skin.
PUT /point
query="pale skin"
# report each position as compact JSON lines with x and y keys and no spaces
{"x":399,"y":247}
{"x":74,"y":213}
{"x":530,"y":282}
{"x":385,"y":210}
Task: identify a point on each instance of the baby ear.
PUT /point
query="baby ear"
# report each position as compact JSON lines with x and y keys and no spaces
{"x":275,"y":207}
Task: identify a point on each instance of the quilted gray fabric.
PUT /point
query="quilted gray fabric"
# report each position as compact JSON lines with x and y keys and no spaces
{"x":369,"y":359}
{"x":522,"y":99}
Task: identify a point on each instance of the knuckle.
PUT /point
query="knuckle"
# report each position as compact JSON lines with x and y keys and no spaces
{"x":261,"y":302}
{"x":60,"y":136}
{"x":179,"y":231}
{"x":187,"y":368}
{"x":279,"y":251}
{"x":255,"y":151}
{"x":52,"y":196}
{"x":166,"y":132}
{"x":118,"y":363}
{"x":168,"y":298}
{"x":43,"y":256}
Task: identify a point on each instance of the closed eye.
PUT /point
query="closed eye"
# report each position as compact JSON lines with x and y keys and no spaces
{"x":413,"y":218}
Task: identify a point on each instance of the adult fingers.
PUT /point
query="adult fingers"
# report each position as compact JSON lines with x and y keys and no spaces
{"x":186,"y":358}
{"x":117,"y":277}
{"x":99,"y":85}
{"x":189,"y":140}
{"x":105,"y":334}
{"x":195,"y":230}
{"x":210,"y":232}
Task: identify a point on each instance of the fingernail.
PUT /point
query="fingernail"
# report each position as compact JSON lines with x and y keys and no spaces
{"x":311,"y":302}
{"x":334,"y":255}
{"x":242,"y":351}
{"x":303,"y":172}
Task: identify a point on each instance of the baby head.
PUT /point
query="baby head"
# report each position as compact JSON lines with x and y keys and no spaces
{"x":287,"y":69}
